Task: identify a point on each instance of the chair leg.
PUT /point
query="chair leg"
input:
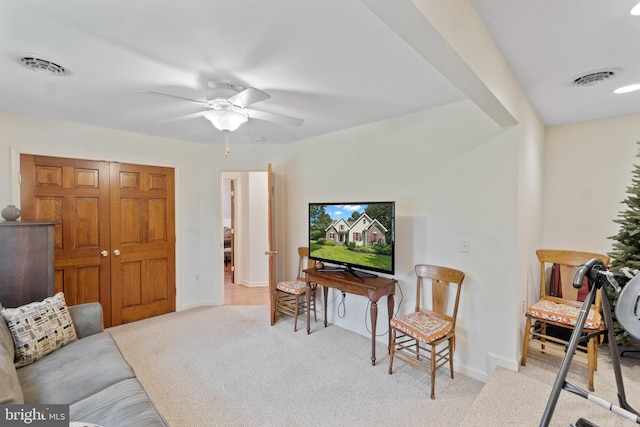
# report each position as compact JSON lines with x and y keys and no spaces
{"x":433,"y":372}
{"x":393,"y":349}
{"x":592,"y":357}
{"x":451,"y":350}
{"x":295,"y":315}
{"x":525,"y":341}
{"x":595,"y":347}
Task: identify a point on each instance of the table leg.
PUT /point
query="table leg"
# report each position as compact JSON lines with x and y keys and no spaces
{"x":374,"y":320}
{"x":325,"y":294}
{"x":390,"y":305}
{"x":308,"y":293}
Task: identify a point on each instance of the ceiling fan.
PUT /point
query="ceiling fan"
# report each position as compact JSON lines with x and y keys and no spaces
{"x":227,"y":105}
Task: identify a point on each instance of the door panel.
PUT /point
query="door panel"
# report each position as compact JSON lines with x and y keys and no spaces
{"x":73,"y":292}
{"x":131,"y":282}
{"x":74,"y":193}
{"x":272,"y":246}
{"x":143,"y":273}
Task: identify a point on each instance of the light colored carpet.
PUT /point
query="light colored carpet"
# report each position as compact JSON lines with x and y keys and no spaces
{"x":520,"y":398}
{"x":226,"y":366}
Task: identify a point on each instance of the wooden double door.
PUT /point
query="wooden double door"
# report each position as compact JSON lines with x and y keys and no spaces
{"x":115,"y":237}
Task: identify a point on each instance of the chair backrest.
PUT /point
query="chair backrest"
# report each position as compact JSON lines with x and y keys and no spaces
{"x":303,"y":253}
{"x":441,"y":279}
{"x":566,"y":262}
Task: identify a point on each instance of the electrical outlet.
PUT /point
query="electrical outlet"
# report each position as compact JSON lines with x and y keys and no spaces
{"x":524,"y":306}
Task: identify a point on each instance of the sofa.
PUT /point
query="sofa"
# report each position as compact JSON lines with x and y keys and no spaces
{"x":89,"y":374}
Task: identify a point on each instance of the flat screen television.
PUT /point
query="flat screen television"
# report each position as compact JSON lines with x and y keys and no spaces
{"x":353,"y":236}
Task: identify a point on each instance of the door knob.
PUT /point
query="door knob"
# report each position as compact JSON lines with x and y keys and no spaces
{"x":104,"y":254}
{"x":271,"y":252}
{"x":116,"y":252}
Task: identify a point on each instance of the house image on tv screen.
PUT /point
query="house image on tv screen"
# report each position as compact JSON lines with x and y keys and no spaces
{"x":364,"y":231}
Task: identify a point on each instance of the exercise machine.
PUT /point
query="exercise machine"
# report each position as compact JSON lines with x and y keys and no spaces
{"x":628,"y":315}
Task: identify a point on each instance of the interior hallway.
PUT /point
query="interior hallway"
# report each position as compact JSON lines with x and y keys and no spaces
{"x":243,"y":295}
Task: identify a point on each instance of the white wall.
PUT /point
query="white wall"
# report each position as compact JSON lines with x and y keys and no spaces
{"x":453,"y":174}
{"x":588,"y":167}
{"x":226,"y":205}
{"x":530,"y":202}
{"x":499,"y":93}
{"x":258,"y":229}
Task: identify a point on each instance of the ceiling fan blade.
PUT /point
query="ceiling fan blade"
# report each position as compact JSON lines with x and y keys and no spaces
{"x":272,"y":117}
{"x":176,"y":97}
{"x":249,"y":96}
{"x":180,"y":118}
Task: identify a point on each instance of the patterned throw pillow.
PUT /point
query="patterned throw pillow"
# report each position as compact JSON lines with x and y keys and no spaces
{"x":39,"y":328}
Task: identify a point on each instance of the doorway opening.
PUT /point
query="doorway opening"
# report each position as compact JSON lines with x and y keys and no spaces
{"x":245,"y":237}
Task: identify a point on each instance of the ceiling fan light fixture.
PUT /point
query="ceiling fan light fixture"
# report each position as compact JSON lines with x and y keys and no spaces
{"x":228,"y":120}
{"x":635,"y":10}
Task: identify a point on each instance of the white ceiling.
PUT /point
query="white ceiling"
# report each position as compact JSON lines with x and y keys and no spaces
{"x":548,"y":43}
{"x":333,"y":63}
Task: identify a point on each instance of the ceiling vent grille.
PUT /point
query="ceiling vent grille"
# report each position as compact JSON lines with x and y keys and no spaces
{"x":594,"y":78}
{"x":43,"y":66}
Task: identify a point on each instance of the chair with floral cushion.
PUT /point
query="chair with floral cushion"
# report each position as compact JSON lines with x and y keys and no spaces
{"x":551,"y":319}
{"x":426,"y":338}
{"x":291,"y":295}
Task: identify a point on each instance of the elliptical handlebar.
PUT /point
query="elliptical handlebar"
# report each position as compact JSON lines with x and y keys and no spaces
{"x":589,"y":269}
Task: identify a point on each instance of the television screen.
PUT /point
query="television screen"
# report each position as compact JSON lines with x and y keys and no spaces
{"x":353,"y":235}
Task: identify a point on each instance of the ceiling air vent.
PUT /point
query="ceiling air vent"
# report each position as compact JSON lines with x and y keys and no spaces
{"x":594,"y":78}
{"x":43,"y":66}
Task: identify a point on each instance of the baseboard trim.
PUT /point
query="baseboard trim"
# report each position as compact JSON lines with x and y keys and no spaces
{"x":496,"y":360}
{"x":253,"y":284}
{"x":470,"y":372}
{"x":184,"y":307}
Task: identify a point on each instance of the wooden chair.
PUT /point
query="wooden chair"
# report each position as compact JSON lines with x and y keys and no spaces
{"x":291,"y":295}
{"x":559,"y":306}
{"x":415,"y":337}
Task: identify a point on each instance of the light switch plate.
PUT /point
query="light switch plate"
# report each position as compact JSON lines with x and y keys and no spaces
{"x":465,"y":245}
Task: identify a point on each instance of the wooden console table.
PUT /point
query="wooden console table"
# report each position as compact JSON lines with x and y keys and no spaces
{"x":370,"y":287}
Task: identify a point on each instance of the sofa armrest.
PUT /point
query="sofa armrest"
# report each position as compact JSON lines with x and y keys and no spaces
{"x":87,"y":318}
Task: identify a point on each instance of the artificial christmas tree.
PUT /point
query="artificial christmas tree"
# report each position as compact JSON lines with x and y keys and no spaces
{"x":625,"y":255}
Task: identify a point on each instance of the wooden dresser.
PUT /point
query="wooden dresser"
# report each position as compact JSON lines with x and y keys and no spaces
{"x":27,"y":260}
